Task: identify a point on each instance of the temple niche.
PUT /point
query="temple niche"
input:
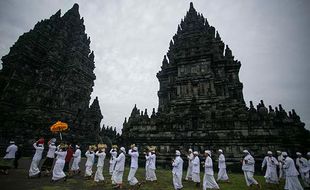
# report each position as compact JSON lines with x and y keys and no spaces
{"x":201,"y":104}
{"x":48,"y":75}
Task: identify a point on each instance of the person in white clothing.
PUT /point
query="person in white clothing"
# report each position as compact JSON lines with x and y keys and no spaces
{"x":48,"y":163}
{"x":75,"y":168}
{"x":208,"y":178}
{"x":308,"y":176}
{"x":134,"y":154}
{"x":113,"y":153}
{"x":280,"y":160}
{"x":101,"y":156}
{"x":248,"y":169}
{"x":196,"y":169}
{"x":10,"y":156}
{"x":190,"y":157}
{"x":291,"y":178}
{"x":302,"y":165}
{"x":271,"y":162}
{"x":117,"y":177}
{"x":222,"y":174}
{"x":58,"y":172}
{"x":34,"y":167}
{"x":151,"y":165}
{"x":177,"y":171}
{"x":90,"y":155}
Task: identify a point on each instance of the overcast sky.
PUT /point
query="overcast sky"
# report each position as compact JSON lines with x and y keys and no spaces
{"x":130,"y":38}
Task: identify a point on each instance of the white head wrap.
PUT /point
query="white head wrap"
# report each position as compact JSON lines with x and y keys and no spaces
{"x":123,"y":149}
{"x":269,"y":152}
{"x":246,"y":151}
{"x":284,"y":153}
{"x":178,"y":153}
{"x":208,"y":152}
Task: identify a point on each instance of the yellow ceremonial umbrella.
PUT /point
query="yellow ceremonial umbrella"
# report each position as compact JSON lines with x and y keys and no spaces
{"x":59,"y":127}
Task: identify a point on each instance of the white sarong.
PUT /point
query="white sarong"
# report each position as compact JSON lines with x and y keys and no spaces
{"x":177,"y":181}
{"x":249,"y":179}
{"x":98,"y":174}
{"x":131,"y":176}
{"x":75,"y":164}
{"x":271,"y":175}
{"x":34,"y":168}
{"x":196,"y":177}
{"x":292,"y":183}
{"x":88,"y":171}
{"x":58,"y":172}
{"x":117,"y":177}
{"x":222,"y":175}
{"x":209,"y":182}
{"x":189,"y":171}
{"x":151,"y":175}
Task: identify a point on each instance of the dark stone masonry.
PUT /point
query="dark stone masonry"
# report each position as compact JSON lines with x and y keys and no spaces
{"x":48,"y":75}
{"x":201,"y":103}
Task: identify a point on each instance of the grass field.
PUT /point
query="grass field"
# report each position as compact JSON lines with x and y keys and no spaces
{"x":17,"y":179}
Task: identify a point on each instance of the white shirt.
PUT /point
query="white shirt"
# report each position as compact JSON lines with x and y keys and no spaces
{"x":190,"y":157}
{"x":120,"y":162}
{"x":77,"y":154}
{"x":151,"y":161}
{"x":209,"y":166}
{"x":39,"y":151}
{"x":101,"y":157}
{"x":289,"y":166}
{"x":51,"y":151}
{"x":271,"y":162}
{"x":61,"y":155}
{"x":302,"y":164}
{"x":249,"y":166}
{"x":11,"y":150}
{"x":134,"y":158}
{"x":196,"y":165}
{"x":177,"y":166}
{"x":222,"y":163}
{"x":90,"y":158}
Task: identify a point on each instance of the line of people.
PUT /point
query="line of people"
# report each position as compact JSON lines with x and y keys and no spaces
{"x":276,"y":168}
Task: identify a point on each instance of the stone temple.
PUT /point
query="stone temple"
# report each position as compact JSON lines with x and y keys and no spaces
{"x":48,"y":75}
{"x":201,"y":104}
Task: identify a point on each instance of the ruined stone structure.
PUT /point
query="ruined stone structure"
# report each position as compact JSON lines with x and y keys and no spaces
{"x":48,"y":75}
{"x":201,"y":103}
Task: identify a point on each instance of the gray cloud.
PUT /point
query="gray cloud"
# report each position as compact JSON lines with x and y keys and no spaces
{"x":130,"y":37}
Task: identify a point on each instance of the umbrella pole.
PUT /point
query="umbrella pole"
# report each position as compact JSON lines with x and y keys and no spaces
{"x":60,"y":136}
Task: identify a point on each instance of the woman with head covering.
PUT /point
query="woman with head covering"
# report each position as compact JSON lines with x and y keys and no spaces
{"x":291,"y":174}
{"x":34,"y":167}
{"x":113,"y":153}
{"x":48,"y":163}
{"x":101,"y":156}
{"x":151,"y":165}
{"x":90,"y":155}
{"x":134,"y":154}
{"x":302,"y":165}
{"x":58,"y":172}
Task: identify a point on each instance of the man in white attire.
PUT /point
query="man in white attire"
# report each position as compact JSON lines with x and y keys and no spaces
{"x":280,"y":160}
{"x":10,"y":155}
{"x":271,"y":175}
{"x":134,"y":154}
{"x":291,"y":174}
{"x":196,"y":169}
{"x":75,"y":168}
{"x":101,"y":156}
{"x":90,"y":157}
{"x":208,"y":178}
{"x":248,"y":169}
{"x":177,"y":170}
{"x":117,"y":177}
{"x":222,"y":174}
{"x":302,"y":165}
{"x":34,"y":167}
{"x":190,"y":157}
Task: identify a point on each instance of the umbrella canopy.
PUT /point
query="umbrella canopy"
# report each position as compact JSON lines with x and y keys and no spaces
{"x":59,"y":127}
